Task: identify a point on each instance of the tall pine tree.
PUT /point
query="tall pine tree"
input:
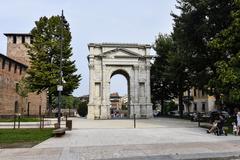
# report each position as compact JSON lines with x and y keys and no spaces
{"x":44,"y":54}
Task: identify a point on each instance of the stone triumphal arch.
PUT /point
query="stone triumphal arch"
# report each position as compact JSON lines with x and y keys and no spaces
{"x":130,"y":60}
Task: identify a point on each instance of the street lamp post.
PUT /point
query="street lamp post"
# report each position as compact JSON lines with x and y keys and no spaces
{"x":162,"y":98}
{"x":60,"y":87}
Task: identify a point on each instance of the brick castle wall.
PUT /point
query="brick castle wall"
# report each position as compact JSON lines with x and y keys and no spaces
{"x":18,"y":61}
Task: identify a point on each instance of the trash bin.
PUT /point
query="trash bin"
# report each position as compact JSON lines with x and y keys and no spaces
{"x":69,"y":124}
{"x":56,"y":125}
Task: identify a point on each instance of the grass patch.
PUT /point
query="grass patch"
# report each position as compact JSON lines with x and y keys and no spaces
{"x":23,"y":137}
{"x":25,"y":119}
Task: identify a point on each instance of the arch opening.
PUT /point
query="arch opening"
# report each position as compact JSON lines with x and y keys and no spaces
{"x":119,"y":95}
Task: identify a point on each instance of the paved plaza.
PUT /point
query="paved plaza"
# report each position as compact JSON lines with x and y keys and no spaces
{"x":160,"y":138}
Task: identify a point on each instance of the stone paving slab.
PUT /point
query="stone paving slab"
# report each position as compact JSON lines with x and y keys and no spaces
{"x":169,"y":151}
{"x":105,"y":137}
{"x":168,"y":139}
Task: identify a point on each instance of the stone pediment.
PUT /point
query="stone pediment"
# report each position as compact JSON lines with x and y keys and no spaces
{"x":120,"y":53}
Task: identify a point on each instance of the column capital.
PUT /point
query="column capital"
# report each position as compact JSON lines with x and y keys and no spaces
{"x":148,"y":67}
{"x":135,"y":67}
{"x":91,"y":66}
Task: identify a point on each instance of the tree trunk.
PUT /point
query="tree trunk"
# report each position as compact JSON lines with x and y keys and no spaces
{"x":188,"y":103}
{"x":162,"y":106}
{"x":180,"y":101}
{"x":218,"y":102}
{"x":49,"y":109}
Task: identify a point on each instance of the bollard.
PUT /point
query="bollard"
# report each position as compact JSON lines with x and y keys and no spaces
{"x":14,"y":122}
{"x":66,"y":120}
{"x":134,"y":120}
{"x":43,"y":121}
{"x":40,"y":122}
{"x":198,"y":120}
{"x":18,"y":121}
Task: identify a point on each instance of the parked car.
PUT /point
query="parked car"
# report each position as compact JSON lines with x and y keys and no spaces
{"x":213,"y":115}
{"x":199,"y":116}
{"x":225,"y":114}
{"x":174,"y":113}
{"x":188,"y":114}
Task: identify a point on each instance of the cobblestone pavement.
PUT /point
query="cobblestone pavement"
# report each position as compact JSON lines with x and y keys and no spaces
{"x":153,"y":139}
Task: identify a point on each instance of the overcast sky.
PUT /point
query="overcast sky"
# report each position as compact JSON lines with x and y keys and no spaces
{"x":124,"y":21}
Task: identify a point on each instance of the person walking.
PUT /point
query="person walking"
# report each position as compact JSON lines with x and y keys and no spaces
{"x":238,"y":123}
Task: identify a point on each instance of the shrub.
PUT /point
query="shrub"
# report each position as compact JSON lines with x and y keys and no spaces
{"x":82,"y":109}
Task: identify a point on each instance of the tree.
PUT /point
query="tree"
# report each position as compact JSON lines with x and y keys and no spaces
{"x":67,"y":102}
{"x":22,"y":90}
{"x":178,"y":74}
{"x":160,"y":88}
{"x":196,"y":26}
{"x":228,"y":69}
{"x":44,"y":54}
{"x":169,"y":73}
{"x":76,"y":102}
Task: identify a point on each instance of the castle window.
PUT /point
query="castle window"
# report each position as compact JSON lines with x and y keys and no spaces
{"x":9,"y":66}
{"x":15,"y":69}
{"x":31,"y":40}
{"x":20,"y":70}
{"x":23,"y":39}
{"x":14,"y":39}
{"x":16,"y":107}
{"x":17,"y":87}
{"x":3,"y":64}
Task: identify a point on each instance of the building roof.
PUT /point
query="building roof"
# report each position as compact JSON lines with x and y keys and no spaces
{"x":125,"y":45}
{"x":12,"y":60}
{"x":17,"y":34}
{"x":115,"y":95}
{"x":84,"y":96}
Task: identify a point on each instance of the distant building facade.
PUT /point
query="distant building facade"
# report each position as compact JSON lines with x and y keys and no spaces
{"x":200,"y":101}
{"x":115,"y":100}
{"x":13,"y":69}
{"x":84,"y":98}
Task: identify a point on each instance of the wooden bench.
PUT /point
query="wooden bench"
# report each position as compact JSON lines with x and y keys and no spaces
{"x":59,"y":132}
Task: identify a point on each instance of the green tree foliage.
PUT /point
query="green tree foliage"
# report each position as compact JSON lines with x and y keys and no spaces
{"x":67,"y":101}
{"x":178,"y":73}
{"x":205,"y":35}
{"x":169,"y":75}
{"x":22,"y":88}
{"x":44,"y":54}
{"x":76,"y":102}
{"x":228,"y":69}
{"x":197,"y":25}
{"x":159,"y":83}
{"x":171,"y":106}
